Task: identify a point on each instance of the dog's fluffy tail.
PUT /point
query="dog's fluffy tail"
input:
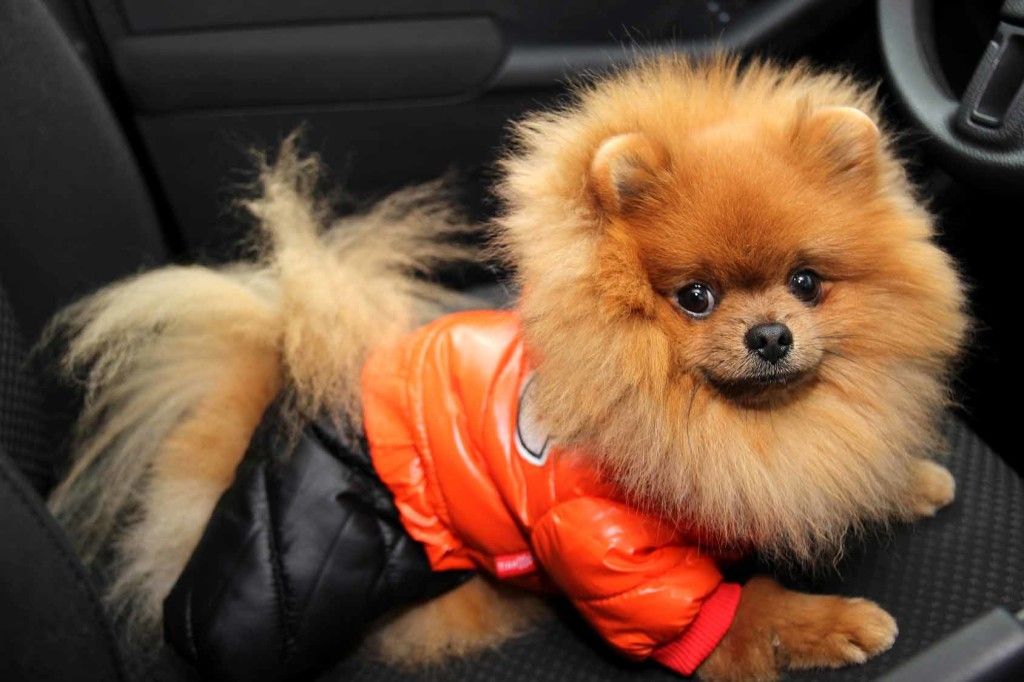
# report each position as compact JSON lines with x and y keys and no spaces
{"x":179,"y":344}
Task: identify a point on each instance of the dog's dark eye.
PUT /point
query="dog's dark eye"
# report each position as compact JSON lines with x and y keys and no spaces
{"x":805,"y":285}
{"x":696,"y":299}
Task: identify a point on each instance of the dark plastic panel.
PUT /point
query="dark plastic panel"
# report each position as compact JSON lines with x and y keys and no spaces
{"x":359,"y":61}
{"x":747,"y":26}
{"x":391,"y":91}
{"x":527,"y":20}
{"x":989,"y":649}
{"x":221,"y":54}
{"x":202,"y":158}
{"x":154,"y":16}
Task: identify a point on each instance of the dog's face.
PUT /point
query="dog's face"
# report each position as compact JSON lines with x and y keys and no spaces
{"x":734,"y":299}
{"x":745,"y":293}
{"x":767,"y":251}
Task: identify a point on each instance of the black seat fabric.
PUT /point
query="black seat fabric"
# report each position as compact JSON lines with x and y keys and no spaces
{"x":74,"y":211}
{"x":52,"y":626}
{"x":933,"y":576}
{"x":22,"y":432}
{"x":74,"y":215}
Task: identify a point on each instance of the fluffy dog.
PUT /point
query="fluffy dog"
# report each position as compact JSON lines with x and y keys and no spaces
{"x":735,"y":302}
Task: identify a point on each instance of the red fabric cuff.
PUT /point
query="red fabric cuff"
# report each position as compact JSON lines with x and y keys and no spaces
{"x":688,"y":651}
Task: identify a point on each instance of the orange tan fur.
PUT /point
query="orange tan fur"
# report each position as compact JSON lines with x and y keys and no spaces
{"x":756,"y":181}
{"x":184,"y":488}
{"x":674,"y":172}
{"x":776,"y":628}
{"x":476,"y":615}
{"x":665,"y":173}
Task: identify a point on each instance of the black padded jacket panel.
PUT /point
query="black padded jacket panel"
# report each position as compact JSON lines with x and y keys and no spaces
{"x":301,"y":554}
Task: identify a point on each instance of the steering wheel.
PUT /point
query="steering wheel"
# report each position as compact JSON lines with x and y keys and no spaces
{"x":979,"y":137}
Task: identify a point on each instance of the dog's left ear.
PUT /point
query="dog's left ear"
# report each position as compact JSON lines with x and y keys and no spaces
{"x":624,"y":168}
{"x":845,"y":137}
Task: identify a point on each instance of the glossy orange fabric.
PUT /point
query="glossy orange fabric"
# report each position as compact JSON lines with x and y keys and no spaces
{"x":441,"y":415}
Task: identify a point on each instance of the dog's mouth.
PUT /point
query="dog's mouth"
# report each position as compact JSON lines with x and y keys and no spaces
{"x":756,"y":388}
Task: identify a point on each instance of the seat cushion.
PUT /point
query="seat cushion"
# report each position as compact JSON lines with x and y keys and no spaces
{"x":52,"y":625}
{"x":76,"y":213}
{"x":933,"y":576}
{"x":22,"y":426}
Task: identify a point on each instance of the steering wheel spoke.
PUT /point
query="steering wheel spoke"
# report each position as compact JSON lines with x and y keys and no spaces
{"x":992,"y":108}
{"x":980,"y":137}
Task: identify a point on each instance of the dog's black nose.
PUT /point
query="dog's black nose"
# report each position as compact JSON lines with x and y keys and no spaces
{"x":770,"y":341}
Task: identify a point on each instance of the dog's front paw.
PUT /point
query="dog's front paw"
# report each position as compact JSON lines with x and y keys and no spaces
{"x":933,"y":488}
{"x":834,"y":631}
{"x":777,"y":629}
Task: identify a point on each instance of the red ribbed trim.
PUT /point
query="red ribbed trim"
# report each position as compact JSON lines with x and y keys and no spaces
{"x":686,"y":653}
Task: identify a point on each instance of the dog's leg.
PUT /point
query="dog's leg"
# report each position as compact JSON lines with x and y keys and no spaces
{"x":474,"y":616}
{"x":776,"y":629}
{"x":193,"y":468}
{"x":932,"y":488}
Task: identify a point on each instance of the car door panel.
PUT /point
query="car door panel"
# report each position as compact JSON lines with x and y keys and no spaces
{"x":357,"y":61}
{"x":390,"y":92}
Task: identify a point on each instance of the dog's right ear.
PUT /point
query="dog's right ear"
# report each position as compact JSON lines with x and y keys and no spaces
{"x":624,"y":168}
{"x":846,"y":139}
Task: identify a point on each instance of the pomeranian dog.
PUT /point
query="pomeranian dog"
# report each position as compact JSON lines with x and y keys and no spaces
{"x":734,"y":306}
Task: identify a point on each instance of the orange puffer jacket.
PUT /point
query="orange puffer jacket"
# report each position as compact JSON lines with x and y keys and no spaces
{"x":475,"y":481}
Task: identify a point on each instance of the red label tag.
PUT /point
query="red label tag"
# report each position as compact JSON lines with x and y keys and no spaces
{"x":512,"y":565}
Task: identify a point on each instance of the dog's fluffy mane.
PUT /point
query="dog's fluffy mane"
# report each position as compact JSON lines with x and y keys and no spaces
{"x":790,"y":481}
